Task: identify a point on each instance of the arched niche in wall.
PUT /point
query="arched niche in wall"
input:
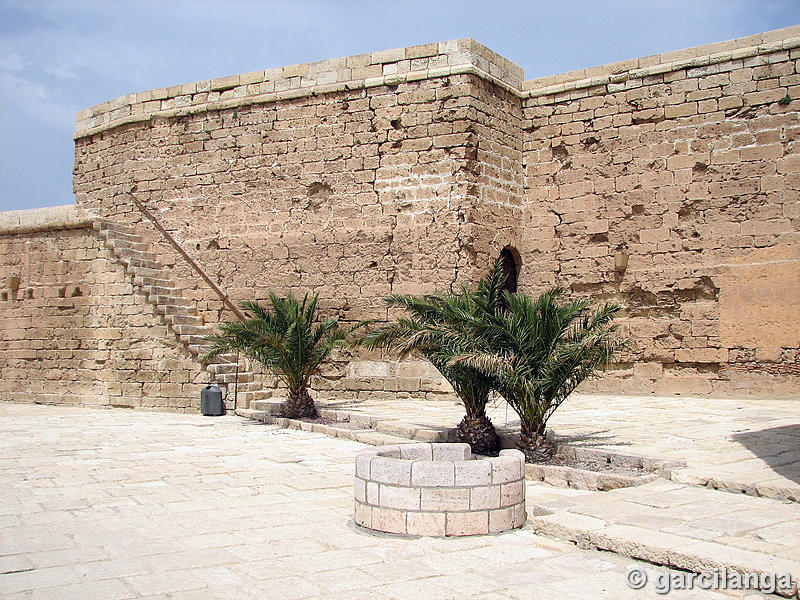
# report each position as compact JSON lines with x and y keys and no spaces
{"x":510,"y":261}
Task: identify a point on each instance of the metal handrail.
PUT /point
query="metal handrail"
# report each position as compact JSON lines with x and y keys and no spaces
{"x":225,"y":299}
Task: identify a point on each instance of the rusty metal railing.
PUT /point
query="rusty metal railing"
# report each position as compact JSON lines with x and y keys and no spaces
{"x":197,"y":268}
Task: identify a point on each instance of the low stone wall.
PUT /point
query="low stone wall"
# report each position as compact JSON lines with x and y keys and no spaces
{"x":439,"y":490}
{"x":72,"y":328}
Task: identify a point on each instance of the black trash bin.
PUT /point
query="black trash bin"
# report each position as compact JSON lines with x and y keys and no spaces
{"x":211,"y":404}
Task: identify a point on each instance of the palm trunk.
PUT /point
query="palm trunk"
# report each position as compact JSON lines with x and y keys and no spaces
{"x":299,"y":405}
{"x":477,"y":430}
{"x":534,"y":444}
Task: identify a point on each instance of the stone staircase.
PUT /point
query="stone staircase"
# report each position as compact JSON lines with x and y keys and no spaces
{"x":154,"y":282}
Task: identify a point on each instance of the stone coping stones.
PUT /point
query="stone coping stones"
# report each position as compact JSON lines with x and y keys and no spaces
{"x":640,"y":469}
{"x":439,"y":490}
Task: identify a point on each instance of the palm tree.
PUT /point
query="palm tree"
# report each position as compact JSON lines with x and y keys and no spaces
{"x":284,"y":339}
{"x":536,"y":352}
{"x":435,"y":331}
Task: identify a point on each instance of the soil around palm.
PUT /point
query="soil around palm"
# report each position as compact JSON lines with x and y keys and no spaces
{"x":598,"y":465}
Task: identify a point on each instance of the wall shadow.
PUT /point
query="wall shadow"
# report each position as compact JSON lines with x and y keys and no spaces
{"x":779,"y":447}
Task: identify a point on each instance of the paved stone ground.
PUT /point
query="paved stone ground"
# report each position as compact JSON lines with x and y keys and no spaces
{"x":115,"y":504}
{"x":739,"y":444}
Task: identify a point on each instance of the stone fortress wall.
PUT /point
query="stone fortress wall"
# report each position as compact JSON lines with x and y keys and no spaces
{"x":411,"y":169}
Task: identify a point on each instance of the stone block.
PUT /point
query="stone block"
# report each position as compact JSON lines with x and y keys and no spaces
{"x":393,"y":451}
{"x":360,"y":490}
{"x":500,"y":520}
{"x":416,"y":452}
{"x":484,"y":498}
{"x":453,"y":452}
{"x":473,"y":472}
{"x":390,"y":470}
{"x":363,"y":515}
{"x":512,"y":493}
{"x":433,"y":474}
{"x":372,"y":493}
{"x":467,"y":523}
{"x":520,"y":515}
{"x":368,"y":368}
{"x":444,"y":499}
{"x":388,"y":56}
{"x":388,"y":520}
{"x":428,"y":524}
{"x":422,"y":51}
{"x":404,"y":498}
{"x":505,"y":469}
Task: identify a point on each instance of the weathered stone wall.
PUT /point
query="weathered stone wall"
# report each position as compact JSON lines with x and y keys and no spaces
{"x":411,"y":169}
{"x":356,"y":193}
{"x":693,"y":173}
{"x":75,"y":332}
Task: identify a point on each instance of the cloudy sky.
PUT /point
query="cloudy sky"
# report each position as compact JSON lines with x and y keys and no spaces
{"x":57,"y":57}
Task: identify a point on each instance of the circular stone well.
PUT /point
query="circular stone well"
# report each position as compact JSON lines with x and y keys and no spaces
{"x":439,"y":490}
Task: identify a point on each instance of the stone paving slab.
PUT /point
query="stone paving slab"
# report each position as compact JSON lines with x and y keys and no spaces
{"x":115,"y":504}
{"x":743,"y":446}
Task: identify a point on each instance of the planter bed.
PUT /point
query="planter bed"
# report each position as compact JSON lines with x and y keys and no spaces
{"x":595,"y":469}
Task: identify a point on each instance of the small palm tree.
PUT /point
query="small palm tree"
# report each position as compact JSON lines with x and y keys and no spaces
{"x":536,"y":352}
{"x":435,"y":331}
{"x":284,"y":339}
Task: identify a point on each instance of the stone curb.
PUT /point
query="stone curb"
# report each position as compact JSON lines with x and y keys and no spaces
{"x":660,"y":548}
{"x":583,"y":479}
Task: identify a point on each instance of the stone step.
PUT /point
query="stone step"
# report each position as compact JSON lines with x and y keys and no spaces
{"x":156,"y":290}
{"x":112,"y":225}
{"x":140,"y":264}
{"x":756,"y":483}
{"x":148,"y":281}
{"x":121,"y":247}
{"x":156,"y":275}
{"x":674,"y":525}
{"x":192,"y":339}
{"x":114,"y":229}
{"x":365,"y":436}
{"x":202,"y":330}
{"x":127,"y":243}
{"x":414,"y":431}
{"x":183,"y":319}
{"x":259,"y":395}
{"x":376,"y":438}
{"x":391,"y":427}
{"x":169,"y":309}
{"x":116,"y":236}
{"x":248,"y":413}
{"x":223,"y":368}
{"x":247,"y":386}
{"x":243,"y":377}
{"x":127,"y":253}
{"x":197,"y":350}
{"x":172,"y":301}
{"x":268,"y":405}
{"x":269,"y":402}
